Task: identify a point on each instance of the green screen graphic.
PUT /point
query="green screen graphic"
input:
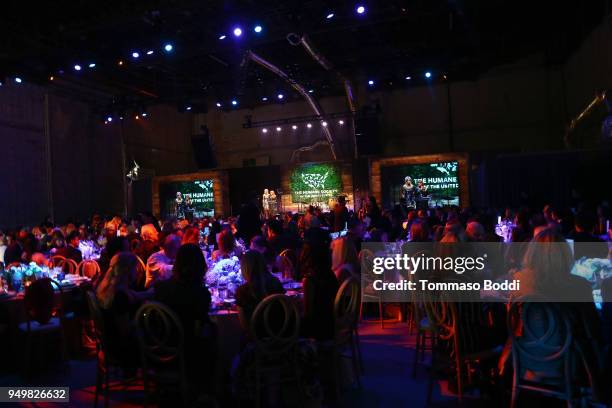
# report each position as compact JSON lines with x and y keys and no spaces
{"x":200,"y":191}
{"x":441,"y":180}
{"x":315,"y":183}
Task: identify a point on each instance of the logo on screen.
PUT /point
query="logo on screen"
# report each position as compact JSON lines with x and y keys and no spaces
{"x":316,"y":181}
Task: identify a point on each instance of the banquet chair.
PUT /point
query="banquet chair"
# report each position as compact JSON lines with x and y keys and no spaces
{"x":346,"y":338}
{"x":57,"y":260}
{"x":44,"y":320}
{"x":141,"y":273}
{"x":275,"y":327}
{"x":161,"y":338}
{"x":543,"y":355}
{"x":89,"y":268}
{"x":369,"y":295}
{"x":106,"y":364}
{"x":68,"y":265}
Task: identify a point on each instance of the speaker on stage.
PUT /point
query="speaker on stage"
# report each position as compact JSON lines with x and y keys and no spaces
{"x":202,"y":150}
{"x":367,"y":135}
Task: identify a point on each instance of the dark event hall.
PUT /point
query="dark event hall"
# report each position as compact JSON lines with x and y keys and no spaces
{"x":306,"y":203}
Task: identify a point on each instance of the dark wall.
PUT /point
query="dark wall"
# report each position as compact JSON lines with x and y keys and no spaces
{"x":247,"y":182}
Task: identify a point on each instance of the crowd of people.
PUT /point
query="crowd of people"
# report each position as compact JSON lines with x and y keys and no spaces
{"x":325,"y":247}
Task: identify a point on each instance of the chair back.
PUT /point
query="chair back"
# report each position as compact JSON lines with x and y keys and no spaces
{"x":285,"y":265}
{"x":161,"y":335}
{"x":98,"y":320}
{"x":346,"y":309}
{"x":40,"y":302}
{"x":89,"y":268}
{"x":68,"y":265}
{"x":275,"y":325}
{"x":541,"y":337}
{"x":57,"y":260}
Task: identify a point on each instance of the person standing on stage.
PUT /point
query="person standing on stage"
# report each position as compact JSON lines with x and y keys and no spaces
{"x":272,"y":204}
{"x":409,"y":191}
{"x":179,"y":205}
{"x":265,"y":203}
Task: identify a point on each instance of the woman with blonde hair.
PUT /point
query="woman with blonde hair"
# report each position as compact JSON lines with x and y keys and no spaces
{"x":118,"y":304}
{"x":345,"y":262}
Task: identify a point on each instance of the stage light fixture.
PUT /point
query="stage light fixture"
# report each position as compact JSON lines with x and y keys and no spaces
{"x":168,"y":47}
{"x":120,"y":62}
{"x":324,"y":124}
{"x":371,"y":82}
{"x":144,"y":114}
{"x":18,"y":80}
{"x":234,"y":102}
{"x":408,"y":78}
{"x":308,"y":125}
{"x":77,"y":67}
{"x":310,"y":90}
{"x":264,"y":99}
{"x":120,"y":117}
{"x":137,"y":117}
{"x":258,"y":29}
{"x":135,"y":55}
{"x":222,"y":37}
{"x":294,"y":127}
{"x":92,"y":65}
{"x":109,"y":118}
{"x":51,"y":78}
{"x":219,"y":104}
{"x":264,"y":130}
{"x":188,"y":108}
{"x":106,"y":122}
{"x":237,"y":32}
{"x":341,"y":122}
{"x":280,"y":96}
{"x":278,"y":128}
{"x":428,"y":74}
{"x":330,"y":16}
{"x":360,"y":9}
{"x":150,"y":52}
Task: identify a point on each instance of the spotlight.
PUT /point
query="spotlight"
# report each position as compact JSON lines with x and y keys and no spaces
{"x":330,"y":16}
{"x":168,"y":47}
{"x":92,"y":65}
{"x":278,"y":129}
{"x":324,"y":124}
{"x":294,"y":127}
{"x":135,"y":54}
{"x":120,"y":117}
{"x":371,"y":82}
{"x":109,"y":119}
{"x":51,"y":78}
{"x":341,"y":122}
{"x":18,"y":80}
{"x":360,"y":9}
{"x":428,"y":74}
{"x":77,"y":67}
{"x":280,"y":96}
{"x":408,"y":78}
{"x":264,"y":99}
{"x":120,"y":62}
{"x":137,"y":117}
{"x":219,"y":104}
{"x":222,"y":37}
{"x":308,"y":125}
{"x":106,"y":122}
{"x":144,"y":114}
{"x":237,"y":32}
{"x":150,"y":52}
{"x":188,"y":108}
{"x":258,"y":29}
{"x":234,"y":102}
{"x":310,"y":90}
{"x":264,"y":130}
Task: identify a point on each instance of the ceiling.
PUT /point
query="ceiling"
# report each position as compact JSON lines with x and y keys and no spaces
{"x":388,"y":42}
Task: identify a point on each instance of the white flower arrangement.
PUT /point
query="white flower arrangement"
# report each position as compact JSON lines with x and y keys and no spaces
{"x":225,"y":272}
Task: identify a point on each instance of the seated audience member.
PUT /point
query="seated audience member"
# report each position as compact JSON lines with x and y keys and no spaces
{"x":149,"y":243}
{"x":187,"y":296}
{"x":320,"y":288}
{"x":71,"y":249}
{"x":191,"y":235}
{"x":586,"y":243}
{"x":259,"y":284}
{"x":475,"y":232}
{"x":160,"y":264}
{"x":277,"y":239}
{"x":112,"y":248}
{"x":119,"y":303}
{"x":546,"y":272}
{"x":13,"y":252}
{"x":259,"y":244}
{"x":345,"y":262}
{"x":227,"y":246}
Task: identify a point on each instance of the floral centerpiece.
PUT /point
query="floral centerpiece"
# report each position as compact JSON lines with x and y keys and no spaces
{"x":504,"y":229}
{"x":224,"y":273}
{"x":19,"y":276}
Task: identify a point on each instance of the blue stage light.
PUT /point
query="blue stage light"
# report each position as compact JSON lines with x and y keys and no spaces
{"x":360,"y":9}
{"x":280,"y":96}
{"x":150,"y":52}
{"x":234,"y":102}
{"x":219,"y":104}
{"x":18,"y":80}
{"x":168,"y":47}
{"x":258,"y":29}
{"x":371,"y":82}
{"x":237,"y":32}
{"x":428,"y":74}
{"x":222,"y":37}
{"x":109,"y":119}
{"x":92,"y":65}
{"x":330,"y":16}
{"x":77,"y":67}
{"x":135,"y":54}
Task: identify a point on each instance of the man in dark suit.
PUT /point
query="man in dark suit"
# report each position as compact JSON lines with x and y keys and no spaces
{"x":71,"y":250}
